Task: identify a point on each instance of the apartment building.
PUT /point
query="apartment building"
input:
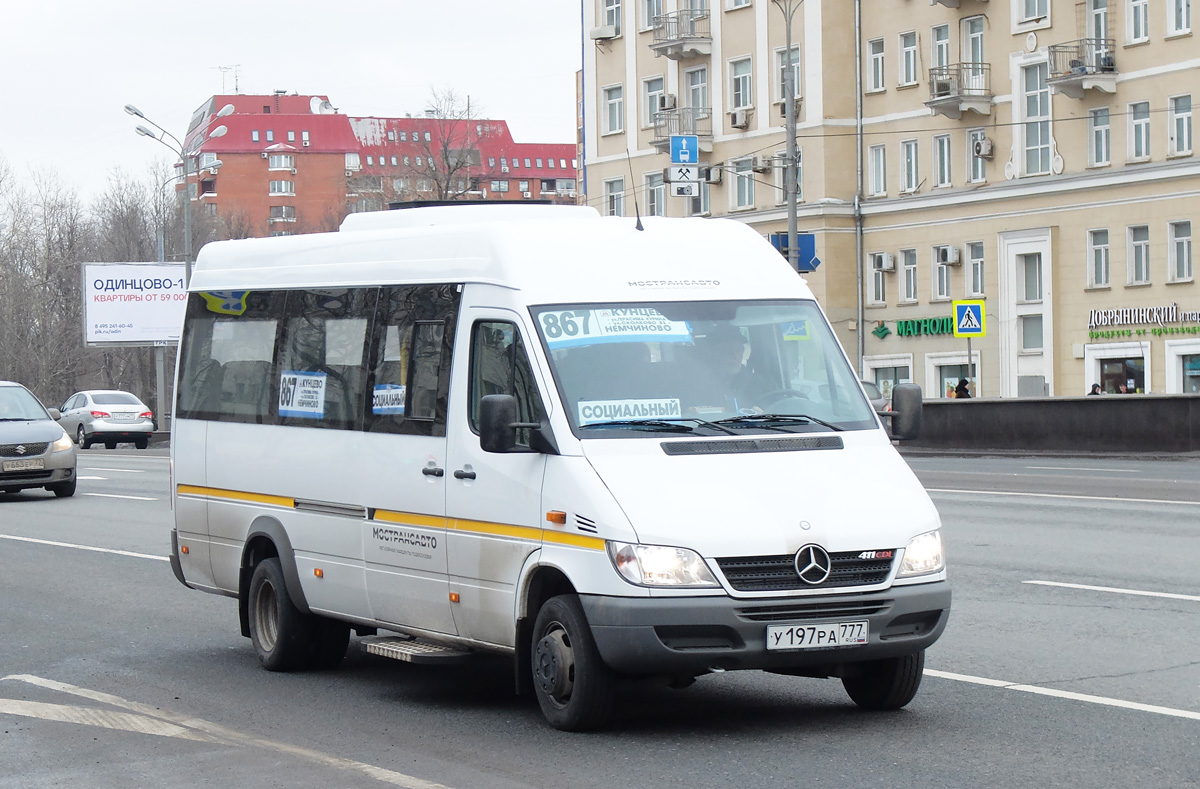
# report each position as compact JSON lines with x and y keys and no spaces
{"x":1036,"y":155}
{"x":291,"y":163}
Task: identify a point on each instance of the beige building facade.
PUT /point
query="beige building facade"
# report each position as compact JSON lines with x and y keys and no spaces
{"x":1034,"y":155}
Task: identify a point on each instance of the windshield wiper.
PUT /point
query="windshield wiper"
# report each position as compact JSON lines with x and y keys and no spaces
{"x":769,"y":419}
{"x":672,"y":426}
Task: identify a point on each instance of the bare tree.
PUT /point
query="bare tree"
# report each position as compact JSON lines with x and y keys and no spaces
{"x":450,"y":160}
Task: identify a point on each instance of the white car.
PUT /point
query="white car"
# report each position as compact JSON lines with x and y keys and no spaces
{"x":107,"y":416}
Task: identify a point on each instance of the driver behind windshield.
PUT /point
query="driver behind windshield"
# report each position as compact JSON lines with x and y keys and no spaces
{"x":725,"y":384}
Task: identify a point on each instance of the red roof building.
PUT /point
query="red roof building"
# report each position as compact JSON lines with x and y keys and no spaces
{"x":294,"y":164}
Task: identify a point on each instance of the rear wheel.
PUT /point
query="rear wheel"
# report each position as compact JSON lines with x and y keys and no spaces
{"x":82,"y":439}
{"x":62,"y":489}
{"x":329,"y":642}
{"x":141,"y":443}
{"x":573,"y":685}
{"x":886,"y":684}
{"x":110,"y":444}
{"x":282,"y":635}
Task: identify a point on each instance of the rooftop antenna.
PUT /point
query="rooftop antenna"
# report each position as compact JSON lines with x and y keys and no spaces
{"x":224,"y":69}
{"x":636,"y":211}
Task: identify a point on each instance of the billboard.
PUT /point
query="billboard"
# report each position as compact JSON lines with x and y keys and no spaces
{"x":133,"y":303}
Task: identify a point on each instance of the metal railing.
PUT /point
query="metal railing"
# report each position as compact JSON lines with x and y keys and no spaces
{"x":960,"y":79}
{"x":1082,"y":57}
{"x":678,"y":25}
{"x":685,"y":120}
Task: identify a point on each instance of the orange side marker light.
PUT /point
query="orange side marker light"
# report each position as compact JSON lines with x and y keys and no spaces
{"x":317,"y":571}
{"x":454,"y":597}
{"x":184,"y":549}
{"x":557,"y":516}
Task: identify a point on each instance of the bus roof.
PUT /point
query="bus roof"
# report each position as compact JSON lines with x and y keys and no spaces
{"x":553,"y":254}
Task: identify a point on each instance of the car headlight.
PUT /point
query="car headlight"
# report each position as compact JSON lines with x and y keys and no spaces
{"x":923,"y":555}
{"x":62,"y":444}
{"x":658,"y":565}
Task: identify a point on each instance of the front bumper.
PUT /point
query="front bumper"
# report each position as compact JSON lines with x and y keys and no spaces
{"x":695,"y":635}
{"x":36,"y":479}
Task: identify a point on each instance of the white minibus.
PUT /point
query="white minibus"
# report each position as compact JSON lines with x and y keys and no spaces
{"x":607,"y":450}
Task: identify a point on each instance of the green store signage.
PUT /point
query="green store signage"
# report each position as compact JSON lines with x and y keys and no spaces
{"x":919,"y":327}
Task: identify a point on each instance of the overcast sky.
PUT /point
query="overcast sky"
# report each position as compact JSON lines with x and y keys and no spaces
{"x":70,"y":66}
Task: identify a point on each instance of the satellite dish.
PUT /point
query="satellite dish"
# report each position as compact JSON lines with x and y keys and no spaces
{"x":314,"y":105}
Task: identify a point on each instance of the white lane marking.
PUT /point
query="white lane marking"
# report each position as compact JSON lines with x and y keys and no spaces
{"x":118,"y":470}
{"x":1117,"y":590}
{"x":84,"y":476}
{"x":1061,"y":496}
{"x":230,"y":736}
{"x":115,"y":496}
{"x":88,"y":716}
{"x":1081,"y":468}
{"x":1066,"y":694}
{"x":85,"y":547}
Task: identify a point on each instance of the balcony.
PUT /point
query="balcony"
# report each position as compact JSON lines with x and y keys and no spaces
{"x":685,"y":120}
{"x":960,"y":87}
{"x":947,"y":3}
{"x":1078,"y":66}
{"x":682,"y":35}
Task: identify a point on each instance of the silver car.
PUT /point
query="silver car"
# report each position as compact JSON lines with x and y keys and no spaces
{"x":34,"y":451}
{"x":107,"y":416}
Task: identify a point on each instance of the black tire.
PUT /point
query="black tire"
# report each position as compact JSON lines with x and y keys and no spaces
{"x":329,"y":643}
{"x":141,"y":443}
{"x":63,"y":489}
{"x":110,"y":444}
{"x":573,"y":685}
{"x":886,"y":684}
{"x":82,"y":439}
{"x":282,"y":635}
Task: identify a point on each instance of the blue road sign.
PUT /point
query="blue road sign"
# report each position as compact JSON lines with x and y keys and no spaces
{"x":685,"y":149}
{"x":969,"y":319}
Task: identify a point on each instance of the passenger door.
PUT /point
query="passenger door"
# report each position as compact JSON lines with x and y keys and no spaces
{"x":493,"y":500}
{"x":404,"y":456}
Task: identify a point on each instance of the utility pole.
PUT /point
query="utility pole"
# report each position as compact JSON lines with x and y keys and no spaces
{"x":788,"y":8}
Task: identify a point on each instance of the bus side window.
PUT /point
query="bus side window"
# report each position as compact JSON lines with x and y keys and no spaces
{"x":500,"y":365}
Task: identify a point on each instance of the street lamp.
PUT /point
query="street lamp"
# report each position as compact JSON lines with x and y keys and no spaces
{"x":185,"y":156}
{"x":788,"y":8}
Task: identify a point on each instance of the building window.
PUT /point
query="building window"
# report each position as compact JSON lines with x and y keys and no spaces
{"x":1139,"y":255}
{"x":908,"y":58}
{"x":527,"y":164}
{"x":741,"y":83}
{"x":1034,"y":9}
{"x":1097,"y":258}
{"x":1181,"y":16}
{"x":697,"y":90}
{"x":614,"y":110}
{"x":875,"y":50}
{"x":1179,"y":249}
{"x":614,"y":197}
{"x":1138,"y":21}
{"x":743,"y":176}
{"x":1099,"y":137}
{"x":941,"y":164}
{"x":369,"y":161}
{"x":283,"y":187}
{"x":978,"y":164}
{"x":427,"y":138}
{"x":941,"y":45}
{"x":941,"y":277}
{"x":652,"y":90}
{"x":291,"y":136}
{"x":1181,"y":125}
{"x":877,"y":157}
{"x":1037,"y":119}
{"x":612,"y":14}
{"x":1139,"y":130}
{"x":739,"y":3}
{"x":908,"y":263}
{"x":254,"y":135}
{"x":785,"y":63}
{"x":539,"y":163}
{"x":699,"y":205}
{"x":910,"y":176}
{"x":393,"y":161}
{"x":975,"y":260}
{"x":283,"y":213}
{"x":1029,"y":270}
{"x":522,"y":186}
{"x":656,"y":195}
{"x":878,"y":292}
{"x":651,"y":10}
{"x":501,"y":186}
{"x":281,"y":162}
{"x":1031,"y":333}
{"x":270,"y":135}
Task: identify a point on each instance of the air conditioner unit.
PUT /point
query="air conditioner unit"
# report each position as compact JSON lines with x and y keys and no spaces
{"x":504,"y":168}
{"x":713,"y":173}
{"x":666,"y":101}
{"x":739,"y":119}
{"x":948,"y":255}
{"x":603,"y":32}
{"x":266,"y":155}
{"x":885,"y":261}
{"x":945,"y":86}
{"x":783,"y":108}
{"x":527,"y":195}
{"x":305,"y":143}
{"x":293,"y":171}
{"x":762,"y":164}
{"x":982,"y":148}
{"x":212,"y":171}
{"x":349,"y":173}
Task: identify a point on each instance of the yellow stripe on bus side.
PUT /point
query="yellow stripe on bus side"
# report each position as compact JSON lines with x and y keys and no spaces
{"x":235,"y":495}
{"x":411,"y":519}
{"x":577,"y":540}
{"x":497,"y":529}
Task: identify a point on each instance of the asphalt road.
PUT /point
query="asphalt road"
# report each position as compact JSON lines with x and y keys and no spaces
{"x":1072,"y":658}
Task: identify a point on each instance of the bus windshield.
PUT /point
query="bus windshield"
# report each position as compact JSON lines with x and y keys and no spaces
{"x":706,"y":366}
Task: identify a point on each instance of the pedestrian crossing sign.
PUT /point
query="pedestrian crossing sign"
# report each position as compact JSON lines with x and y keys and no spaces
{"x":969,"y":319}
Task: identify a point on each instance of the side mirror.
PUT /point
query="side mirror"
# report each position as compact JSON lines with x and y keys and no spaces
{"x":907,"y":402}
{"x":497,"y":417}
{"x":55,"y":414}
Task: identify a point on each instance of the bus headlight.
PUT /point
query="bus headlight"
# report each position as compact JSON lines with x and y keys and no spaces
{"x":658,"y":565}
{"x":923,"y":555}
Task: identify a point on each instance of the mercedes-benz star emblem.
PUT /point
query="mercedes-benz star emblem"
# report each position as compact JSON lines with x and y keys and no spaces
{"x":813,"y":564}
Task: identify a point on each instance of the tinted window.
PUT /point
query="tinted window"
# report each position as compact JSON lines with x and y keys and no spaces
{"x":115,"y":398}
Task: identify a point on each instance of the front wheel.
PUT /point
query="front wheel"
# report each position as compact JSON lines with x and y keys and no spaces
{"x":573,"y":685}
{"x":281,"y":633}
{"x":886,"y":684}
{"x":82,"y":438}
{"x":63,"y":489}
